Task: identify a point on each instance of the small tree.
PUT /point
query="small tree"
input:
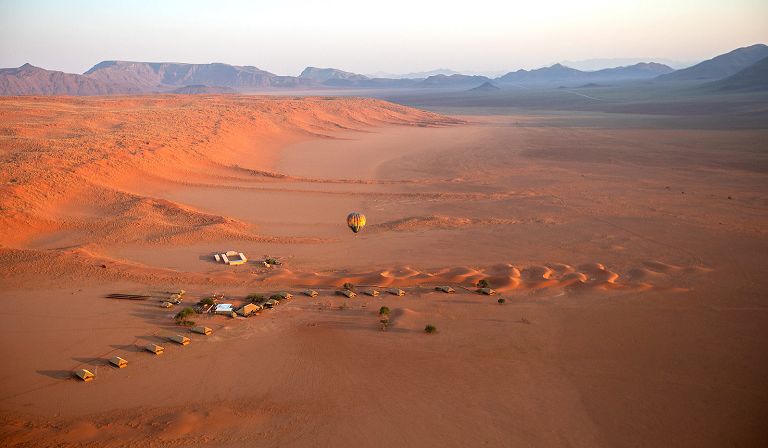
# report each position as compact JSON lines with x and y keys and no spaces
{"x":255,"y":297}
{"x":483,"y":284}
{"x":384,"y":311}
{"x":501,"y":301}
{"x":429,"y":329}
{"x":206,"y":301}
{"x":349,"y":286}
{"x":181,"y":316}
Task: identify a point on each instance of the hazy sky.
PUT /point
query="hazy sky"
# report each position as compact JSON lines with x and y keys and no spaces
{"x":365,"y":36}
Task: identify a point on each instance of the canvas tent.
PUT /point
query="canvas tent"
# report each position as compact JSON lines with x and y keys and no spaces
{"x":85,"y":375}
{"x":249,"y":309}
{"x":179,"y":339}
{"x":154,"y":348}
{"x":201,"y":330}
{"x":118,"y":362}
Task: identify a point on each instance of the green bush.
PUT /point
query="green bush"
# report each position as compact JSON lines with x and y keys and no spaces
{"x":483,"y":284}
{"x":384,"y":311}
{"x":349,"y":286}
{"x":187,"y":323}
{"x":429,"y":329}
{"x":207,"y":301}
{"x":182,"y":315}
{"x":255,"y":297}
{"x":272,"y":261}
{"x":501,"y":301}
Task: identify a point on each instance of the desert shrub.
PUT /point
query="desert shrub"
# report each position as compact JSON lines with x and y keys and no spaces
{"x":344,"y":306}
{"x":272,"y":261}
{"x":255,"y":297}
{"x":206,"y":301}
{"x":501,"y":301}
{"x":429,"y":329}
{"x":349,"y":286}
{"x":525,"y":321}
{"x":483,"y":284}
{"x":187,"y":323}
{"x":384,"y":311}
{"x":182,"y":315}
{"x":276,"y":297}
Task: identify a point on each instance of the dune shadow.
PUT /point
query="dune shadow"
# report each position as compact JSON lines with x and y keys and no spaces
{"x":55,"y":374}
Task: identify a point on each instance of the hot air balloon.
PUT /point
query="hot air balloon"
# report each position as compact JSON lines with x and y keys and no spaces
{"x":356,"y":221}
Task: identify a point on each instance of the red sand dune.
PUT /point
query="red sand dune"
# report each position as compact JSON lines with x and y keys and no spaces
{"x":631,"y":310}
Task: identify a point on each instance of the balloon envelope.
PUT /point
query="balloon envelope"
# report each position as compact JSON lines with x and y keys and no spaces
{"x":356,"y":221}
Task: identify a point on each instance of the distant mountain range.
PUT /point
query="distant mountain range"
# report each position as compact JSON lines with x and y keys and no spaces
{"x":751,"y":79}
{"x":31,"y":80}
{"x":487,"y":87}
{"x":127,"y":77}
{"x":721,"y":66}
{"x":326,"y":74}
{"x":158,"y":76}
{"x":414,"y":75}
{"x":559,"y":73}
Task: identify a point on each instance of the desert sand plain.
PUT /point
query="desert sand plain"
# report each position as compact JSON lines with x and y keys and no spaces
{"x":632,"y":260}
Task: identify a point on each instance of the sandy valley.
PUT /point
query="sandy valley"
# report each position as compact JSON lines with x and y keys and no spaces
{"x":631,"y":257}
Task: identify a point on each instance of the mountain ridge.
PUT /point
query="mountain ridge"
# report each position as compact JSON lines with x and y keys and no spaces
{"x":720,"y":66}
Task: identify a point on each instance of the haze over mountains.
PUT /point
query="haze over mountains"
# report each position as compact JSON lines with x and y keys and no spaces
{"x":721,"y":66}
{"x":129,"y":77}
{"x":752,"y":78}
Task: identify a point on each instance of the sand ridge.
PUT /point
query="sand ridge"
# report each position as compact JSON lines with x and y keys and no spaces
{"x":86,"y":261}
{"x":108,"y":139}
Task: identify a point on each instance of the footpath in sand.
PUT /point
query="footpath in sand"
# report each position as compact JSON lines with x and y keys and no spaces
{"x":629,"y":260}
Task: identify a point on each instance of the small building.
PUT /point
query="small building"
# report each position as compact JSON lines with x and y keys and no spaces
{"x":166,"y":305}
{"x":249,"y":309}
{"x":347,"y":293}
{"x":445,"y":289}
{"x":224,"y":308}
{"x":154,"y":348}
{"x":271,"y":303}
{"x":310,"y":292}
{"x":201,"y":330}
{"x":486,"y":291}
{"x":175,"y":299}
{"x":85,"y":375}
{"x":372,"y":292}
{"x":118,"y":362}
{"x":232,"y":258}
{"x":179,"y":339}
{"x":396,"y":291}
{"x":285,"y":295}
